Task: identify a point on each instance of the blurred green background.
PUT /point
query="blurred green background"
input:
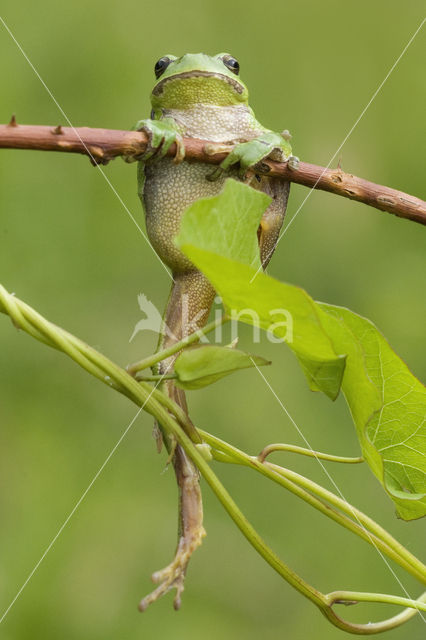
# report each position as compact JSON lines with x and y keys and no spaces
{"x":68,"y":247}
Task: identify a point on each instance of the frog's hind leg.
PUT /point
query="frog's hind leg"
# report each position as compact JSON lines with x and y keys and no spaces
{"x":187,"y":310}
{"x":272,"y":220}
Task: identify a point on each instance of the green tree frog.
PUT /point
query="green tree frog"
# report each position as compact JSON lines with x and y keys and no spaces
{"x":199,"y":96}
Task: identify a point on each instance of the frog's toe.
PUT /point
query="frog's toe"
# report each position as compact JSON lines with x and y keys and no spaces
{"x":132,"y":158}
{"x":162,"y":148}
{"x":156,"y":142}
{"x":140,"y":124}
{"x":242,"y":171}
{"x":161,"y":141}
{"x":293,"y":163}
{"x":161,"y":136}
{"x":246,"y":154}
{"x":215,"y":175}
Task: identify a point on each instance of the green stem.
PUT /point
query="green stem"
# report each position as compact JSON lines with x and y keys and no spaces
{"x":399,"y":553}
{"x":375,"y":627}
{"x":143,"y":395}
{"x":150,"y":361}
{"x":365,"y":527}
{"x":384,"y":625}
{"x":349,"y":597}
{"x":179,"y":414}
{"x":155,"y":377}
{"x":292,"y":448}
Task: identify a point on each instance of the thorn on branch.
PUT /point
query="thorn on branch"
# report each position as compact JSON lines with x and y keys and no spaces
{"x":96,"y":160}
{"x":337,"y":175}
{"x":97,"y":156}
{"x":105,"y":144}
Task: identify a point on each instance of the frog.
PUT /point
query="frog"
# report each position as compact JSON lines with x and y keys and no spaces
{"x":198,"y":96}
{"x":201,"y":96}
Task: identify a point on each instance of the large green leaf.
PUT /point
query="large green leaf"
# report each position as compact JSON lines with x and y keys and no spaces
{"x":199,"y":366}
{"x":213,"y":235}
{"x":387,"y":402}
{"x":227,"y":224}
{"x":283,"y":309}
{"x":388,"y":406}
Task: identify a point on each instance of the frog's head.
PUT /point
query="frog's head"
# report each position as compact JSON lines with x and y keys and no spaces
{"x":196,"y":78}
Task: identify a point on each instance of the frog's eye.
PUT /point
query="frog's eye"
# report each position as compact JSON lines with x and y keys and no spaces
{"x":161,"y":65}
{"x":232,"y":64}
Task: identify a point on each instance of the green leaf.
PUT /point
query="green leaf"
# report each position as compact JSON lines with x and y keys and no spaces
{"x":226,"y":224}
{"x":388,"y":406}
{"x":387,"y":403}
{"x":219,"y":235}
{"x":283,"y":309}
{"x":199,"y":366}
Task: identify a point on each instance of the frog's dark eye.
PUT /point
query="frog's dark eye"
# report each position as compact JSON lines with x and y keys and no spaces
{"x":161,"y":65}
{"x":232,"y":64}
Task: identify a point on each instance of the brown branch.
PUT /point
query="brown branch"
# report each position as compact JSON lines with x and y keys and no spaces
{"x":102,"y":145}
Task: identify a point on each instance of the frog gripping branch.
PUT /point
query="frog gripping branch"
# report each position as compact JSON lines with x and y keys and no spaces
{"x":198,"y":96}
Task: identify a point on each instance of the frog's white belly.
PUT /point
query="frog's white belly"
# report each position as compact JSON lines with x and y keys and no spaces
{"x":169,"y":190}
{"x":234,"y":123}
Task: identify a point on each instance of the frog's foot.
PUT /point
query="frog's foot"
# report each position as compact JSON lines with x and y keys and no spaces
{"x":249,"y":154}
{"x":173,"y":576}
{"x":191,"y":531}
{"x":162,"y":134}
{"x":293,"y":163}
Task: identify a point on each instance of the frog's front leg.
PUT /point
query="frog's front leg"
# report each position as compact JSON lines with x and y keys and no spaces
{"x":248,"y":154}
{"x":162,"y":134}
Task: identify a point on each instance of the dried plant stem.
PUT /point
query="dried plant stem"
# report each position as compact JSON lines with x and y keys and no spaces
{"x":102,"y":145}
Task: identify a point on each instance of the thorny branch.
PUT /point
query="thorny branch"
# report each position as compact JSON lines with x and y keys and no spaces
{"x":103,"y":145}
